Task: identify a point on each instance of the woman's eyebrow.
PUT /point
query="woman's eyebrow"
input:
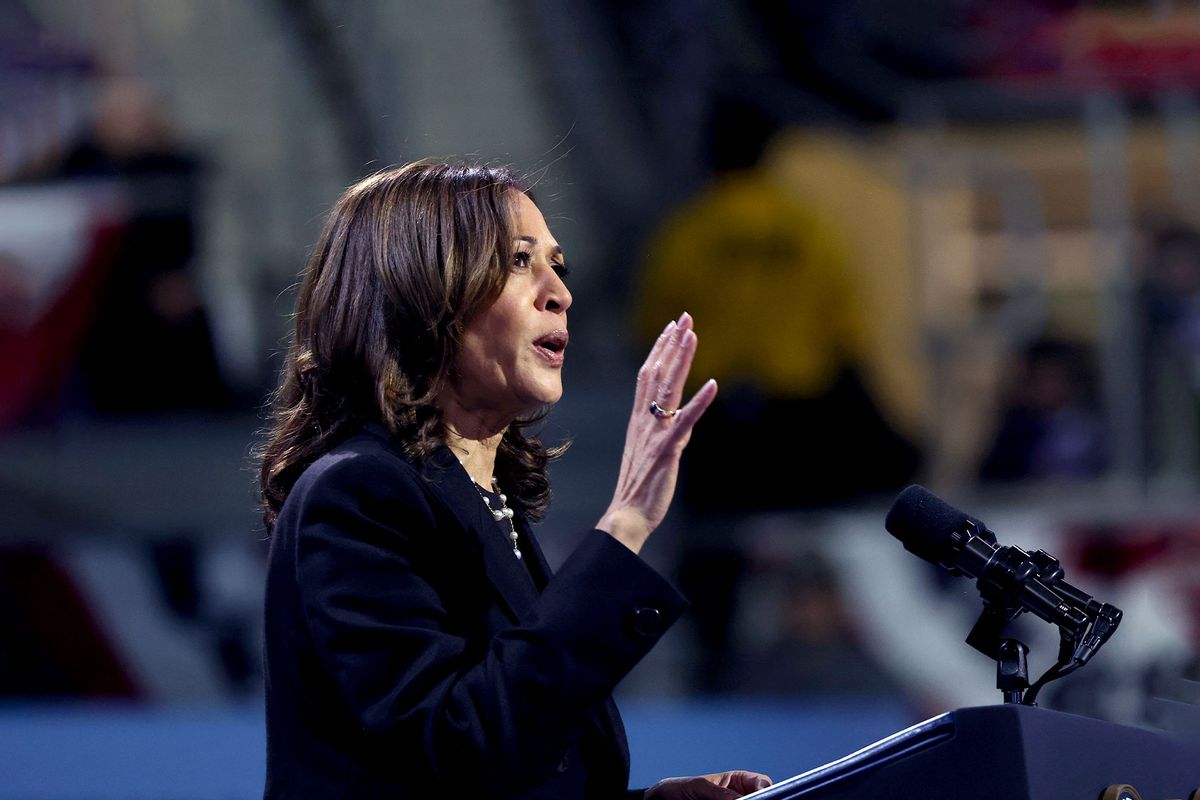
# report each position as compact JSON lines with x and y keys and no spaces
{"x":554,"y":251}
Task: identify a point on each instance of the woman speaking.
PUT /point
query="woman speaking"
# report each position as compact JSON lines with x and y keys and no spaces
{"x":417,"y":644}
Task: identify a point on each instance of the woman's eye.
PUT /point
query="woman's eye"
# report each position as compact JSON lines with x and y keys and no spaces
{"x":561,"y":270}
{"x":521,"y":259}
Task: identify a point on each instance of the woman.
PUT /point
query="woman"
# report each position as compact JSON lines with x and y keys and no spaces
{"x":416,"y":642}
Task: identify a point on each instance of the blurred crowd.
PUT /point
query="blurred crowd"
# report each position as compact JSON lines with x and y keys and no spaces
{"x":896,"y":244}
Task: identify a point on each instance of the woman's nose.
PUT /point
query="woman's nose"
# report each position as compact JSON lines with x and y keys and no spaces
{"x":557,"y":295}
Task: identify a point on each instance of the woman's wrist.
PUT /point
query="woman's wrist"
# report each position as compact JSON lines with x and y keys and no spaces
{"x":627,"y":527}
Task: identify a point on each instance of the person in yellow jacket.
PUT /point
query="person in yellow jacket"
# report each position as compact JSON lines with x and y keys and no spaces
{"x":784,"y":335}
{"x":770,"y":282}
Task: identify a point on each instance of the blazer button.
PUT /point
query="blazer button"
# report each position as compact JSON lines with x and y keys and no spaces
{"x":647,"y":621}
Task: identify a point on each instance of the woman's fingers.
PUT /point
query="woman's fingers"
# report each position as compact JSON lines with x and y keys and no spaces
{"x":740,"y":780}
{"x":701,"y":788}
{"x":670,"y":389}
{"x":647,"y":376}
{"x":701,"y":400}
{"x":654,"y":441}
{"x":661,"y":360}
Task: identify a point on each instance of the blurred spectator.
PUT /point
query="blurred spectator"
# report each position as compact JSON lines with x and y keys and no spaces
{"x":1050,"y":426}
{"x":150,"y":347}
{"x":816,"y":651}
{"x":1170,"y":311}
{"x":784,"y":335}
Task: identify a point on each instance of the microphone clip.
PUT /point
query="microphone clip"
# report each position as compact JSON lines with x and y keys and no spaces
{"x":1011,"y":582}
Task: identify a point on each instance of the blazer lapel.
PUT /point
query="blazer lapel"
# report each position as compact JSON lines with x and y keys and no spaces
{"x":533,"y":551}
{"x":507,"y":574}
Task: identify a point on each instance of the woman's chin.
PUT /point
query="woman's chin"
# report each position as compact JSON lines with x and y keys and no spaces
{"x":545,"y":396}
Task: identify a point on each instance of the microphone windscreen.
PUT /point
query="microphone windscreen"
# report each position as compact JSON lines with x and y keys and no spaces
{"x":924,"y":523}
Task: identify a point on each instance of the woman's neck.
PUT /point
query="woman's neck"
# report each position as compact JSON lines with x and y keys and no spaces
{"x":474,"y":437}
{"x":478,"y":456}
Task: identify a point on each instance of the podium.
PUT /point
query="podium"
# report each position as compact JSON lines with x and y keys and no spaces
{"x":1004,"y":752}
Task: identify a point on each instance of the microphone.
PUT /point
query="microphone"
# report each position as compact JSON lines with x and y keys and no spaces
{"x":936,"y":531}
{"x":1011,"y":581}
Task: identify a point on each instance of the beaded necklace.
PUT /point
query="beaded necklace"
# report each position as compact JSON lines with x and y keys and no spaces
{"x":502,"y":513}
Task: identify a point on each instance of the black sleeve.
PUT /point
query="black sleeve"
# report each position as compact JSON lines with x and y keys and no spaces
{"x":503,"y":713}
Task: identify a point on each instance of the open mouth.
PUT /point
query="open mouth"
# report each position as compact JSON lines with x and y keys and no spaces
{"x":552,"y":344}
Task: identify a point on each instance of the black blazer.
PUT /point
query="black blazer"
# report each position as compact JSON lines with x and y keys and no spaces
{"x":410,"y":654}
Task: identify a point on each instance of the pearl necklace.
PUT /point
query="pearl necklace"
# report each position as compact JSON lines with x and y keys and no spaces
{"x":504,"y":512}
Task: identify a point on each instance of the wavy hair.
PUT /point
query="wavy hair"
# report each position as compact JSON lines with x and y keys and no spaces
{"x":406,"y":258}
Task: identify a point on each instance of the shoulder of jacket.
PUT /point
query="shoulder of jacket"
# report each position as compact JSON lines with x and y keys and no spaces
{"x":361,"y":459}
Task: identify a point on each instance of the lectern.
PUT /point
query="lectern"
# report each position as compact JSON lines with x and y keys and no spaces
{"x":1005,"y":752}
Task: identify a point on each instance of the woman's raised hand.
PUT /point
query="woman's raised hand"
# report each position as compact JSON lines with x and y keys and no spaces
{"x":655,"y":440}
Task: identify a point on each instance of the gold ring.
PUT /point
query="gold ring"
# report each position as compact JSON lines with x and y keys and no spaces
{"x":661,"y":412}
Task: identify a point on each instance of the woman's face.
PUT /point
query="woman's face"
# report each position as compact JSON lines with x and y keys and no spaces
{"x":511,"y":358}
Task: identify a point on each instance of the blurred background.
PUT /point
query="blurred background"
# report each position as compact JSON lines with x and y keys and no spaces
{"x":946,"y":241}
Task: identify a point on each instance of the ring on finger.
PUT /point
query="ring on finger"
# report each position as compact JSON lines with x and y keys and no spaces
{"x":661,"y":412}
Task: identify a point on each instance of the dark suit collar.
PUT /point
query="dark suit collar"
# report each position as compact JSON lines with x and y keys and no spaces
{"x":539,"y":566}
{"x":447,"y":477}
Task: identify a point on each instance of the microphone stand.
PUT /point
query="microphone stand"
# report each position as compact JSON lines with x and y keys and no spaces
{"x":1084,"y":627}
{"x":1010,"y":655}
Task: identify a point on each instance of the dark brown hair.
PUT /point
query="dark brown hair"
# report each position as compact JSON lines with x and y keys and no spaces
{"x":407,"y":257}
